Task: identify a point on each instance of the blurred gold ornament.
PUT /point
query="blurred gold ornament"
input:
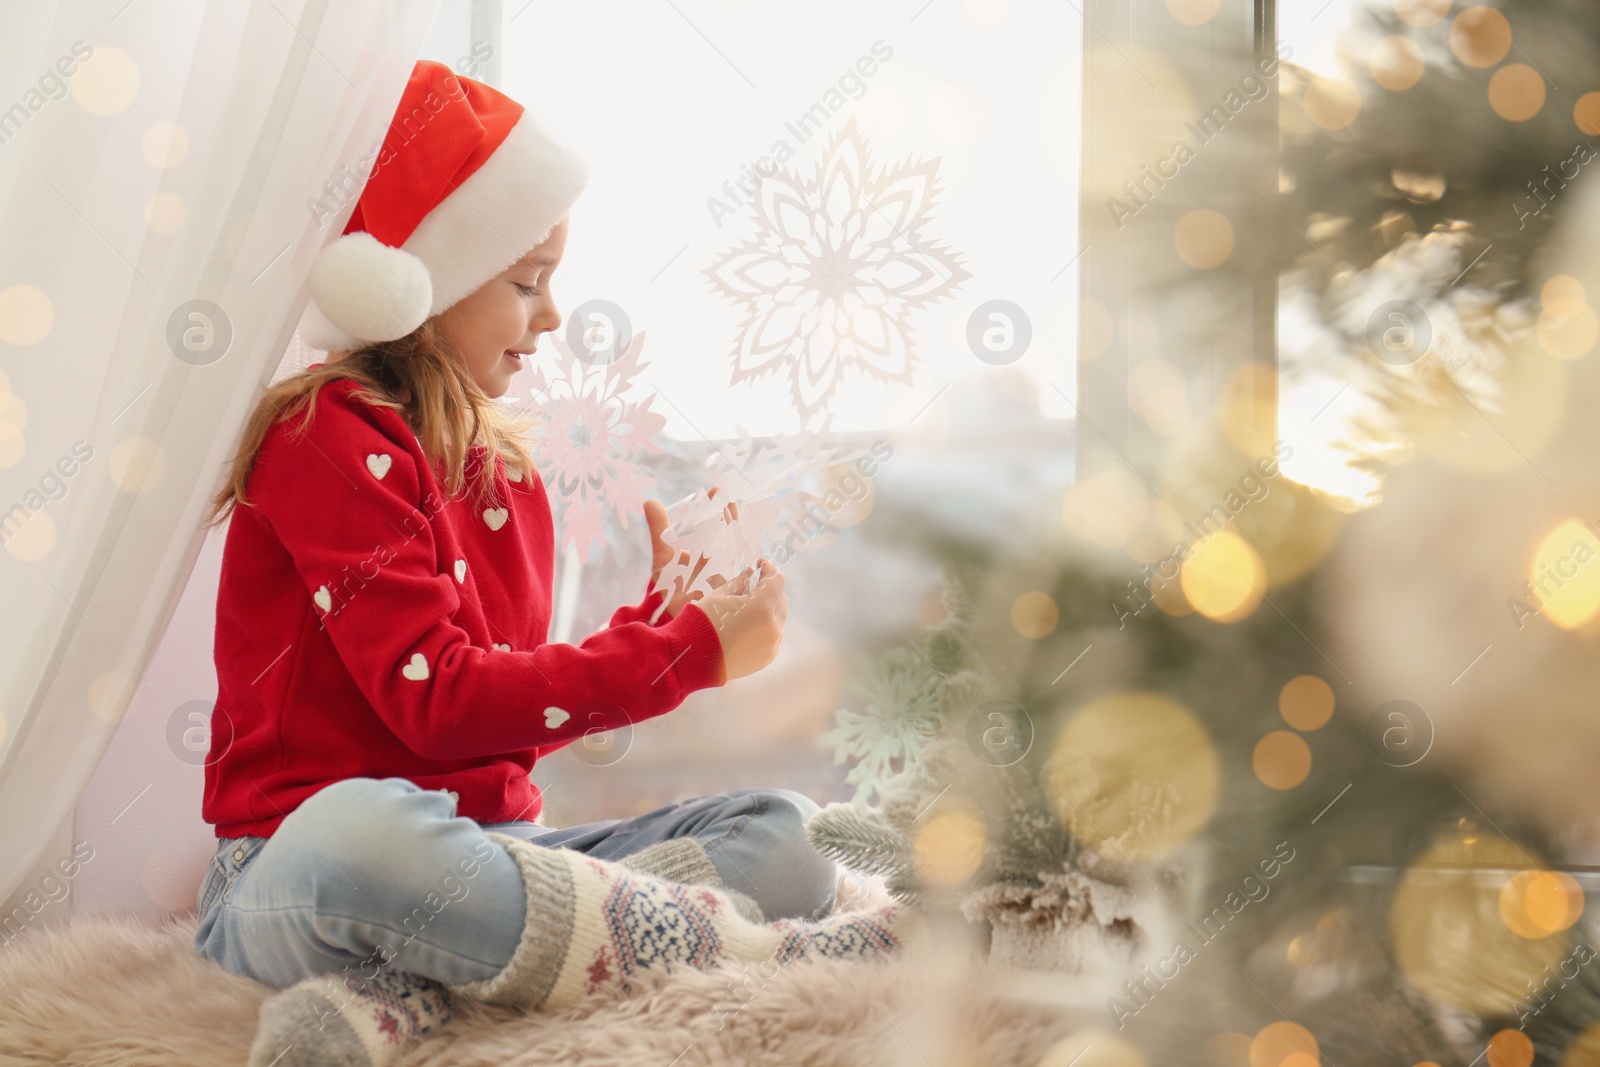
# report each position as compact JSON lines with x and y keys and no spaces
{"x":1134,"y":774}
{"x":1448,"y":933}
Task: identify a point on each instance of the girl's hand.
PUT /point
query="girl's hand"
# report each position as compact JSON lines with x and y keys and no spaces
{"x":655,"y":517}
{"x":749,"y":624}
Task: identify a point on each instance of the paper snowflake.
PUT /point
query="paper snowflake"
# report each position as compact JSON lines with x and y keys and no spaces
{"x":888,"y":741}
{"x":588,"y":439}
{"x":772,"y":482}
{"x":837,"y":265}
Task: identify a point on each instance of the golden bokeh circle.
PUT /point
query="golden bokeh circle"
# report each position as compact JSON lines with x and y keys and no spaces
{"x":1568,"y":328}
{"x":107,"y":83}
{"x":1586,"y":114}
{"x":26,"y":315}
{"x":1134,"y":774}
{"x":1397,"y":63}
{"x":1565,"y":574}
{"x":1281,"y":760}
{"x":1107,"y":509}
{"x":1448,"y":934}
{"x":1203,"y":238}
{"x":1277,"y":1043}
{"x":847,"y":480}
{"x":950,"y":847}
{"x":1421,"y":12}
{"x":1306,"y":702}
{"x":1538,"y":903}
{"x":1517,"y":92}
{"x":1223,"y":578}
{"x":1510,"y":1048}
{"x":138,"y":465}
{"x":1153,"y":540}
{"x":165,"y":145}
{"x":1332,"y":103}
{"x":1480,"y":36}
{"x":33,"y":539}
{"x":1563,"y":286}
{"x":1034,"y":615}
{"x":1227,"y":1050}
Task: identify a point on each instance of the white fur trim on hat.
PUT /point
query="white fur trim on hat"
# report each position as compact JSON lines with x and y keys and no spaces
{"x":316,"y":331}
{"x":371,"y":290}
{"x":491,"y":220}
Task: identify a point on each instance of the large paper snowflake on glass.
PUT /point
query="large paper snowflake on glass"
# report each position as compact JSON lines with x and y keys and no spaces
{"x":838,"y":263}
{"x":588,"y":439}
{"x":780,"y":511}
{"x":887,"y":742}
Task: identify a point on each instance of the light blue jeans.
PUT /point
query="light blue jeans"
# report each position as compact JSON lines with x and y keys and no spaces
{"x":373,"y":872}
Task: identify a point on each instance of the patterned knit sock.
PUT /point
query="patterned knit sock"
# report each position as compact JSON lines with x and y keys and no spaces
{"x":686,"y":861}
{"x":597,"y":926}
{"x":354,"y":1022}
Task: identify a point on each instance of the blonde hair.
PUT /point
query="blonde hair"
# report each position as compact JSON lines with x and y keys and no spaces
{"x":445,"y":408}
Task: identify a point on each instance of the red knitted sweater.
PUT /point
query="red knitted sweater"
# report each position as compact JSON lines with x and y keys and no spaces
{"x":367,"y":626}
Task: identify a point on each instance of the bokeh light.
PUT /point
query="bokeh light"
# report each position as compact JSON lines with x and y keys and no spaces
{"x":1586,"y":114}
{"x":1480,"y":36}
{"x":26,"y":315}
{"x":1203,"y":238}
{"x":1449,"y":936}
{"x":1106,"y":509}
{"x":1396,"y":63}
{"x":1223,"y":578}
{"x":950,"y":846}
{"x":1332,"y":103}
{"x":1568,"y":327}
{"x":1517,"y":92}
{"x":1306,"y":702}
{"x":1134,"y":774}
{"x":1034,"y":614}
{"x":1281,"y":760}
{"x":1536,"y":903}
{"x":1422,"y":12}
{"x":1510,"y":1048}
{"x":1565,"y":575}
{"x":1283,"y":1044}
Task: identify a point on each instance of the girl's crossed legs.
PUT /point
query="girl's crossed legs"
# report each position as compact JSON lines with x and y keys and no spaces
{"x":371,"y":873}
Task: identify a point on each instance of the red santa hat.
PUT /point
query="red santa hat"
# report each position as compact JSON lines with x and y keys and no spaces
{"x":464,"y":185}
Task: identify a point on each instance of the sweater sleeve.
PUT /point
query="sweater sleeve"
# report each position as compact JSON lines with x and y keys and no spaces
{"x":343,"y":500}
{"x":641,"y":611}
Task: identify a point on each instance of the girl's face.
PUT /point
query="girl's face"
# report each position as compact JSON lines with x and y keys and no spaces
{"x":495,"y":328}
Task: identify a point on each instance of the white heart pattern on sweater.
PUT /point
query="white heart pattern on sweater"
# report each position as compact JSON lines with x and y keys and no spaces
{"x":417,"y":669}
{"x":461,"y":570}
{"x":495,"y":517}
{"x":554,"y":717}
{"x":324,"y":601}
{"x":379,"y":464}
{"x":502,"y":648}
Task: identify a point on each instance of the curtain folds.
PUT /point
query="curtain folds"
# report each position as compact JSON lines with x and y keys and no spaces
{"x":168,"y":169}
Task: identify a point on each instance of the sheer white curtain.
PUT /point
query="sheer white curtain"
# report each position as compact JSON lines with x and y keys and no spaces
{"x":167,"y":170}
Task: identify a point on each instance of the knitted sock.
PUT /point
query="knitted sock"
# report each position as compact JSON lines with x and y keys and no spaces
{"x":358,"y":1022}
{"x":686,"y":861}
{"x":598,"y":926}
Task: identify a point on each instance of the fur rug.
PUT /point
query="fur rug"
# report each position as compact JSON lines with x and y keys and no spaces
{"x":114,"y":991}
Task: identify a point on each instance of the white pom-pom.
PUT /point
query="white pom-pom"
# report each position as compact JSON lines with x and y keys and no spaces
{"x":369,"y":290}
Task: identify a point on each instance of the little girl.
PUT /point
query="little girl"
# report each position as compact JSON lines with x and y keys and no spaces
{"x":385,"y":678}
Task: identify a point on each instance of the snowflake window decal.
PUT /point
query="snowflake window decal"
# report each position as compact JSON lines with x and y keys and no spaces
{"x":836,"y":265}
